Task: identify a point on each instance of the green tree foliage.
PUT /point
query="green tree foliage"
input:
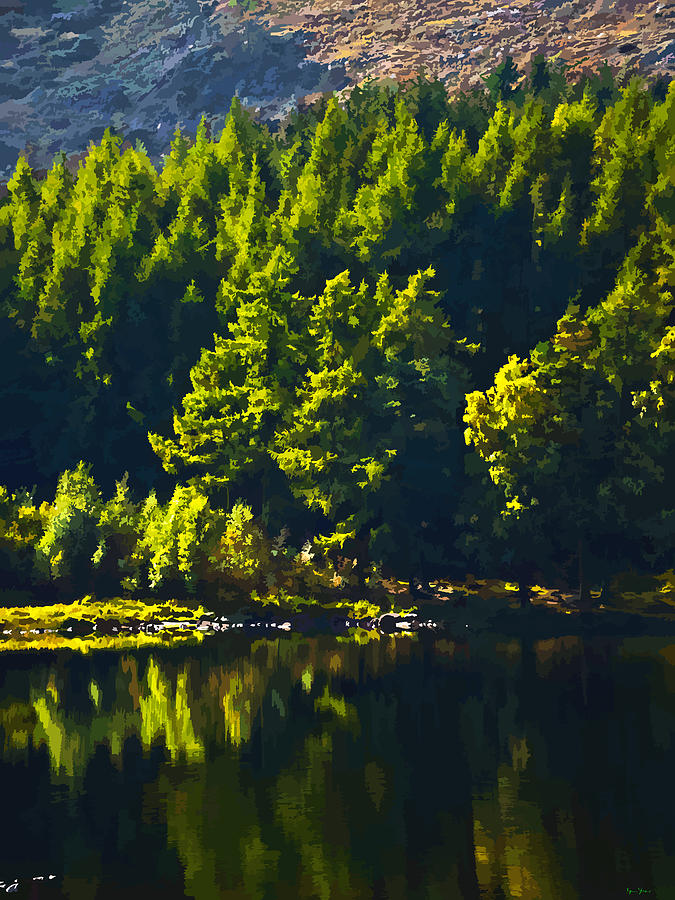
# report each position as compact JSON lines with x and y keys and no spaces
{"x":80,"y":542}
{"x":304,"y":220}
{"x":174,"y":537}
{"x":70,"y":534}
{"x":376,"y":380}
{"x":501,"y":82}
{"x":22,"y":525}
{"x":373,"y":429}
{"x":562,"y":432}
{"x":274,"y":288}
{"x":240,"y":386}
{"x":115,"y":558}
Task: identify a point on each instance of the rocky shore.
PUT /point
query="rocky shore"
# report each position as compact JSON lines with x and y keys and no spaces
{"x":535,"y":623}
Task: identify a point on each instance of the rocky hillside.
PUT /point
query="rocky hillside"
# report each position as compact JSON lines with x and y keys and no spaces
{"x":141,"y":66}
{"x":70,"y":69}
{"x":457,"y":40}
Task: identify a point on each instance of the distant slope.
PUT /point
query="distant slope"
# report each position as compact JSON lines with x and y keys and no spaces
{"x":456,"y":40}
{"x":70,"y":69}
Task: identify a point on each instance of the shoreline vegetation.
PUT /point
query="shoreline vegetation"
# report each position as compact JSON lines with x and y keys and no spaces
{"x":641,"y":605}
{"x":328,"y":371}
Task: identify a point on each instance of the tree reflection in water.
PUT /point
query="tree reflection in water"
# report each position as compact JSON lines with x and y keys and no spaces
{"x":339,"y":768}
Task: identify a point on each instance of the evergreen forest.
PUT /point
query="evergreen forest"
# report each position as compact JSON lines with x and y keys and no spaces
{"x":403,"y":336}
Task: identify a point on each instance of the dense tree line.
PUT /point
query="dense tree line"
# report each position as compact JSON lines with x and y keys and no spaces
{"x":429,"y":334}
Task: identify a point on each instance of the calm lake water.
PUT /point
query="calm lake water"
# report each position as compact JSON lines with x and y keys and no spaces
{"x":329,"y":768}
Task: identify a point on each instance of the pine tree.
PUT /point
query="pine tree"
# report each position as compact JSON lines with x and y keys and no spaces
{"x":501,"y":82}
{"x":241,"y":386}
{"x":556,"y":430}
{"x":315,"y":196}
{"x":370,"y":434}
{"x":384,"y":221}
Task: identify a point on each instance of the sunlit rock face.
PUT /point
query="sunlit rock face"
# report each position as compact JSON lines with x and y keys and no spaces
{"x":70,"y":70}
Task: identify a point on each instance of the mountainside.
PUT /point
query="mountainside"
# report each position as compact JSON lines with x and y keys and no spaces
{"x":142,"y":66}
{"x":458,"y":40}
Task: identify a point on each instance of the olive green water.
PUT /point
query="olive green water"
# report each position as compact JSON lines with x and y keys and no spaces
{"x":327,"y":768}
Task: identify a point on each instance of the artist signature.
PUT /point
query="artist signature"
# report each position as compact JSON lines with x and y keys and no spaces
{"x":12,"y":886}
{"x":639,"y":891}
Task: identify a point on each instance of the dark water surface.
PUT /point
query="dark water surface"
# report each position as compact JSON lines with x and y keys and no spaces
{"x":331,"y":768}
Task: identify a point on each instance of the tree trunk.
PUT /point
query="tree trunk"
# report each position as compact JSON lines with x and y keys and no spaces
{"x":524,"y":595}
{"x":362,"y":562}
{"x":584,"y":599}
{"x":358,"y":591}
{"x":418,"y":583}
{"x":524,"y":589}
